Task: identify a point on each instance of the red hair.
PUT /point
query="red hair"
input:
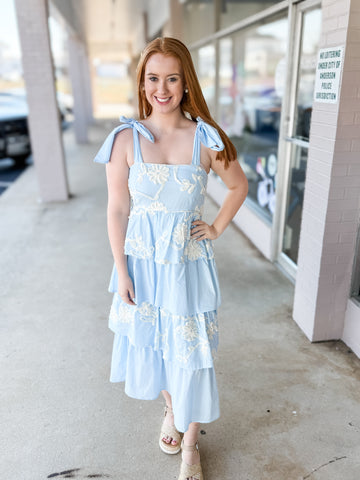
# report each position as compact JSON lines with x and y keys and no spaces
{"x":193,"y":102}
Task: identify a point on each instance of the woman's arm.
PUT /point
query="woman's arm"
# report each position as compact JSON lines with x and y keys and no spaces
{"x":237,"y":184}
{"x":117,"y":172}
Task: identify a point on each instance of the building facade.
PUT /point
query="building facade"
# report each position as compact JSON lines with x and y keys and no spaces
{"x":282,"y":79}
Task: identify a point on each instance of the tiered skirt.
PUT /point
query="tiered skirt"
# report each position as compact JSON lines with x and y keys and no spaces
{"x":168,"y":339}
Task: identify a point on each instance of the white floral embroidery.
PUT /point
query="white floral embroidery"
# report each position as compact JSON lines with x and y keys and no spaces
{"x":202,"y":345}
{"x":123,"y":313}
{"x":151,"y":209}
{"x":141,"y":173}
{"x":138,"y":247}
{"x":180,"y":337}
{"x":180,"y":233}
{"x":147,"y":312}
{"x":199,"y":210}
{"x":187,"y":186}
{"x":189,"y":330}
{"x":156,"y":207}
{"x":200,"y":179}
{"x":212,"y":329}
{"x":193,"y":250}
{"x":158,"y":173}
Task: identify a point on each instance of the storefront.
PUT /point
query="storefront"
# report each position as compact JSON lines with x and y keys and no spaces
{"x":258,"y":77}
{"x":257,"y":63}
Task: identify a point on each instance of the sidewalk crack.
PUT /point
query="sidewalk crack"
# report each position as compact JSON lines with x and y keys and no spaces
{"x":324,"y":465}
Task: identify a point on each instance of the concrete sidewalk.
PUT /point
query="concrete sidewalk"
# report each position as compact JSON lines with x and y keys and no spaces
{"x":290,"y":409}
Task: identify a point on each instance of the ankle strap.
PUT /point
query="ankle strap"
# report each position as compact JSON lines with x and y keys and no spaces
{"x":189,"y":448}
{"x":168,"y":410}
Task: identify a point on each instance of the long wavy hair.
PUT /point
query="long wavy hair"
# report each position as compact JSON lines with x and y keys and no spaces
{"x":193,"y":102}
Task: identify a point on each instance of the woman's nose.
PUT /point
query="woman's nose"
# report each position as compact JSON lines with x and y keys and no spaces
{"x":162,"y":86}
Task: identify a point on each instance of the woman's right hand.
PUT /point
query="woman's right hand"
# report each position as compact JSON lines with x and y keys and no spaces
{"x":126,"y":289}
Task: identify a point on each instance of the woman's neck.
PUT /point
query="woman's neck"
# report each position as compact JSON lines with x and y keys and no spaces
{"x":166,"y":123}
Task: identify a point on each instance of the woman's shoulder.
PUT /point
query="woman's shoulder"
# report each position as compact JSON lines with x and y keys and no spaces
{"x":120,"y":136}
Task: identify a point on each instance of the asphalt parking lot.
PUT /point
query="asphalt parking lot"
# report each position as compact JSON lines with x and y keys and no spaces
{"x":9,"y":172}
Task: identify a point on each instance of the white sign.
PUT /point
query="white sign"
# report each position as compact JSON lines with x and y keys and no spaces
{"x":328,"y":71}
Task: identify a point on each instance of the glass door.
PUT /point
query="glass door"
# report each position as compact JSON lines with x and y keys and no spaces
{"x":306,"y":44}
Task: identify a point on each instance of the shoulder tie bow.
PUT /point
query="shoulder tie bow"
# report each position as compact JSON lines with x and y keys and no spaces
{"x":103,"y":155}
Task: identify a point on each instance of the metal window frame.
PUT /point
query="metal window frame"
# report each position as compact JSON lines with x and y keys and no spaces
{"x":296,"y":20}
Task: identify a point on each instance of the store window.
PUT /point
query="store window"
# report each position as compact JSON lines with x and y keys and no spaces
{"x":251,"y":87}
{"x":198,"y":19}
{"x":205,"y":64}
{"x":235,"y":10}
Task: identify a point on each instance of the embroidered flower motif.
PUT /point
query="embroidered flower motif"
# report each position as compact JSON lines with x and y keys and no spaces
{"x":179,"y":234}
{"x":147,"y":312}
{"x":122,"y":313}
{"x":183,"y":338}
{"x":158,"y":173}
{"x":141,"y":173}
{"x":212,"y":329}
{"x":156,"y":207}
{"x":138,"y":247}
{"x":193,"y":250}
{"x":204,"y":347}
{"x":190,"y":331}
{"x":200,"y":179}
{"x":187,"y":186}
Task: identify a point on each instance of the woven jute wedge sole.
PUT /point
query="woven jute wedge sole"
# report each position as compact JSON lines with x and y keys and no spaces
{"x":188,"y":471}
{"x":171,"y":431}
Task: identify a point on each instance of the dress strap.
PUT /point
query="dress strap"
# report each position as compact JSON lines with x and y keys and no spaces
{"x":103,"y":155}
{"x":209,"y":136}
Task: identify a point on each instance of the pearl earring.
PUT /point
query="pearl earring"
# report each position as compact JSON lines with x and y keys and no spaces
{"x":186,"y":90}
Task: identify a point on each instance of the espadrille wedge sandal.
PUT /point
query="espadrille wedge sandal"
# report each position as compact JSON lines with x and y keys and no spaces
{"x":188,"y":471}
{"x":171,"y":431}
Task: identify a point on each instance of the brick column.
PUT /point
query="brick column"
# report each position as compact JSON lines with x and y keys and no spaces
{"x":332,"y":189}
{"x":44,"y":121}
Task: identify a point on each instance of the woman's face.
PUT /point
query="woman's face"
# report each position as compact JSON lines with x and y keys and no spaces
{"x":163,"y":82}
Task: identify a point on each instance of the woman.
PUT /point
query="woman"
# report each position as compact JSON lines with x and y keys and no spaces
{"x":164,"y":280}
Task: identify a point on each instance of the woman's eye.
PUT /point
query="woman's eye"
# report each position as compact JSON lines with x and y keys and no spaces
{"x":173,"y":79}
{"x":152,"y":79}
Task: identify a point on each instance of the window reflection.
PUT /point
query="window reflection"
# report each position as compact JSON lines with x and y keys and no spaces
{"x":252,"y":73}
{"x":307,"y":69}
{"x":236,"y":10}
{"x":205,"y":66}
{"x":198,"y":19}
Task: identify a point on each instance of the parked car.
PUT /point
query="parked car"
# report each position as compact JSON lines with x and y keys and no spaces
{"x":14,"y":133}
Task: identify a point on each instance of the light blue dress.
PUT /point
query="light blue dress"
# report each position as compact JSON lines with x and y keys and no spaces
{"x":167,"y":341}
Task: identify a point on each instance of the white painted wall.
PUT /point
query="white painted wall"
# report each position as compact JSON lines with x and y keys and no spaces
{"x":332,"y":191}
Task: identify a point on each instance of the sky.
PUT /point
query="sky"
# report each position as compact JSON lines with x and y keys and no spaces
{"x":8,"y":27}
{"x":9,"y":31}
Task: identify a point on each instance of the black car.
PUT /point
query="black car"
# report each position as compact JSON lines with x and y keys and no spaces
{"x":14,"y":135}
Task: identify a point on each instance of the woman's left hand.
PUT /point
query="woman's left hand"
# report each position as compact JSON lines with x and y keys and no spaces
{"x":202,"y":230}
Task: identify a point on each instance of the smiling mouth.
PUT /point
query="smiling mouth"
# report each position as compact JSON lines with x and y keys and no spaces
{"x":163,"y":100}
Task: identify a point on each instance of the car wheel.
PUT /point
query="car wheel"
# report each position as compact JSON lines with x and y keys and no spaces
{"x":20,"y":160}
